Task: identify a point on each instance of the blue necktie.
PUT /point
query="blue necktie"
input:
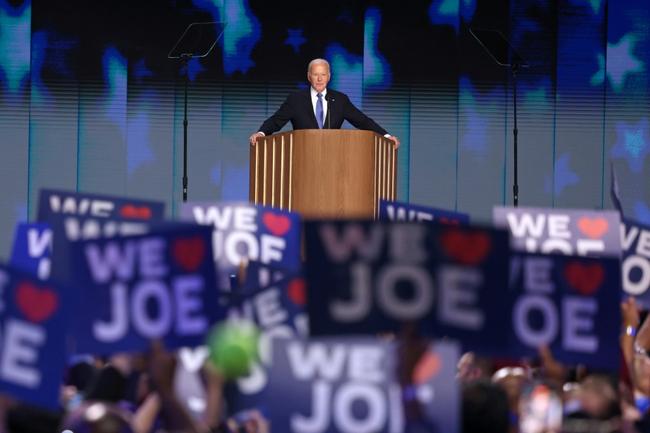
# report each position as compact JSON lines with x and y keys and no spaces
{"x":319,"y":110}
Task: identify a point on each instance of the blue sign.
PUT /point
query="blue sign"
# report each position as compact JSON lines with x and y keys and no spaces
{"x":370,"y":277}
{"x":635,"y":265}
{"x":279,"y":312}
{"x":397,"y":211}
{"x":321,"y":380}
{"x":33,"y":320}
{"x":569,"y":304}
{"x":562,"y":231}
{"x":75,"y":216}
{"x":350,"y":385}
{"x":244,"y":232}
{"x":258,"y":276}
{"x":32,"y":249}
{"x":139,"y":288}
{"x":435,"y":390}
{"x":96,"y":206}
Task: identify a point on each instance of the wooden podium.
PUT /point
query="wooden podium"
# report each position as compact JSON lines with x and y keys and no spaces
{"x":323,"y":173}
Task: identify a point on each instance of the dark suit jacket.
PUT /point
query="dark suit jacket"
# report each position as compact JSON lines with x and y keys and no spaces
{"x":298,"y":110}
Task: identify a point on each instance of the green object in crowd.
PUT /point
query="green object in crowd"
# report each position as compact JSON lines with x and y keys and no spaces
{"x":233,"y":347}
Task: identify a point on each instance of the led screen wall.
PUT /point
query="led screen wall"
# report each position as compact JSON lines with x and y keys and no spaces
{"x":89,"y":100}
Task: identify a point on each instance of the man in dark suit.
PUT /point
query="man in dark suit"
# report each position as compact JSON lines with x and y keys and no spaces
{"x":318,"y":108}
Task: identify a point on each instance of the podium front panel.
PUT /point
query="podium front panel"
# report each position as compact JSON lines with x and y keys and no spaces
{"x":323,"y":173}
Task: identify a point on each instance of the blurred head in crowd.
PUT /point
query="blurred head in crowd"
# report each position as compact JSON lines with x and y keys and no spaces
{"x":97,"y":417}
{"x":599,"y":397}
{"x":470,"y":368}
{"x":511,"y":380}
{"x":485,"y":408}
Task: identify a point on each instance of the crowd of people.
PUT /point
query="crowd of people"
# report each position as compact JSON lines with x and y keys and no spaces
{"x":136,"y":393}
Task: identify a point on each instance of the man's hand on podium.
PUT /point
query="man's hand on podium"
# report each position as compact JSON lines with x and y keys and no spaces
{"x":395,"y":141}
{"x":253,"y":138}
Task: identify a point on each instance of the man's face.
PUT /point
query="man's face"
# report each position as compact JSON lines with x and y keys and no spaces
{"x":319,"y":76}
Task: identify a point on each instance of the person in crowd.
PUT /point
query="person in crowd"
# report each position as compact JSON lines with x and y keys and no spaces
{"x":484,"y":408}
{"x":318,"y":107}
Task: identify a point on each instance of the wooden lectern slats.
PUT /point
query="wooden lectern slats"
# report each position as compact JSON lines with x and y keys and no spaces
{"x":382,"y":162}
{"x":281,"y":204}
{"x":375,"y":180}
{"x":383,"y":169}
{"x":273,"y":171}
{"x":388,"y":164}
{"x":290,"y":180}
{"x":392,"y":173}
{"x":253,"y":178}
{"x":262,"y":171}
{"x":387,"y":146}
{"x":323,"y":173}
{"x":277,"y":160}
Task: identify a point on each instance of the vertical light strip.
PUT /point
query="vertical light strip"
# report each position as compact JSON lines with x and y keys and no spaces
{"x":264,"y":176}
{"x":393,"y":174}
{"x":391,"y":157}
{"x":273,"y":146}
{"x":256,"y":175}
{"x":282,"y":205}
{"x":386,"y":169}
{"x":290,"y":171}
{"x":381,"y":169}
{"x":375,"y":184}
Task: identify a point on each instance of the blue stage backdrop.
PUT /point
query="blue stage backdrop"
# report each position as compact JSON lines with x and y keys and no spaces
{"x":89,"y":101}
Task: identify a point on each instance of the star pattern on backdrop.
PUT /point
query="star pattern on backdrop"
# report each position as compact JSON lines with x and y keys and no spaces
{"x":595,"y":5}
{"x":15,"y":37}
{"x":295,"y":39}
{"x":621,"y":62}
{"x":473,"y":137}
{"x":448,"y":12}
{"x":239,"y":37}
{"x":642,"y":212}
{"x":599,"y":77}
{"x":632,"y":144}
{"x":376,"y":69}
{"x":563,"y":176}
{"x":139,"y":152}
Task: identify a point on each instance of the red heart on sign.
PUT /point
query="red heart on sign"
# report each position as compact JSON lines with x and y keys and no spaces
{"x":135,"y":212}
{"x":584,"y":278}
{"x":427,"y":368}
{"x":277,"y":224}
{"x":36,"y":303}
{"x":189,"y":253}
{"x":594,"y":228}
{"x":296,"y":291}
{"x":469,"y":248}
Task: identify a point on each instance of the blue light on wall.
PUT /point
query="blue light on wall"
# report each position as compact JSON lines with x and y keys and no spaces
{"x":448,"y":12}
{"x":295,"y":39}
{"x":15,"y":36}
{"x":347,"y":71}
{"x":242,"y":32}
{"x":376,"y":69}
{"x":563,"y":177}
{"x":632,"y":144}
{"x":622,"y":62}
{"x":115,"y":77}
